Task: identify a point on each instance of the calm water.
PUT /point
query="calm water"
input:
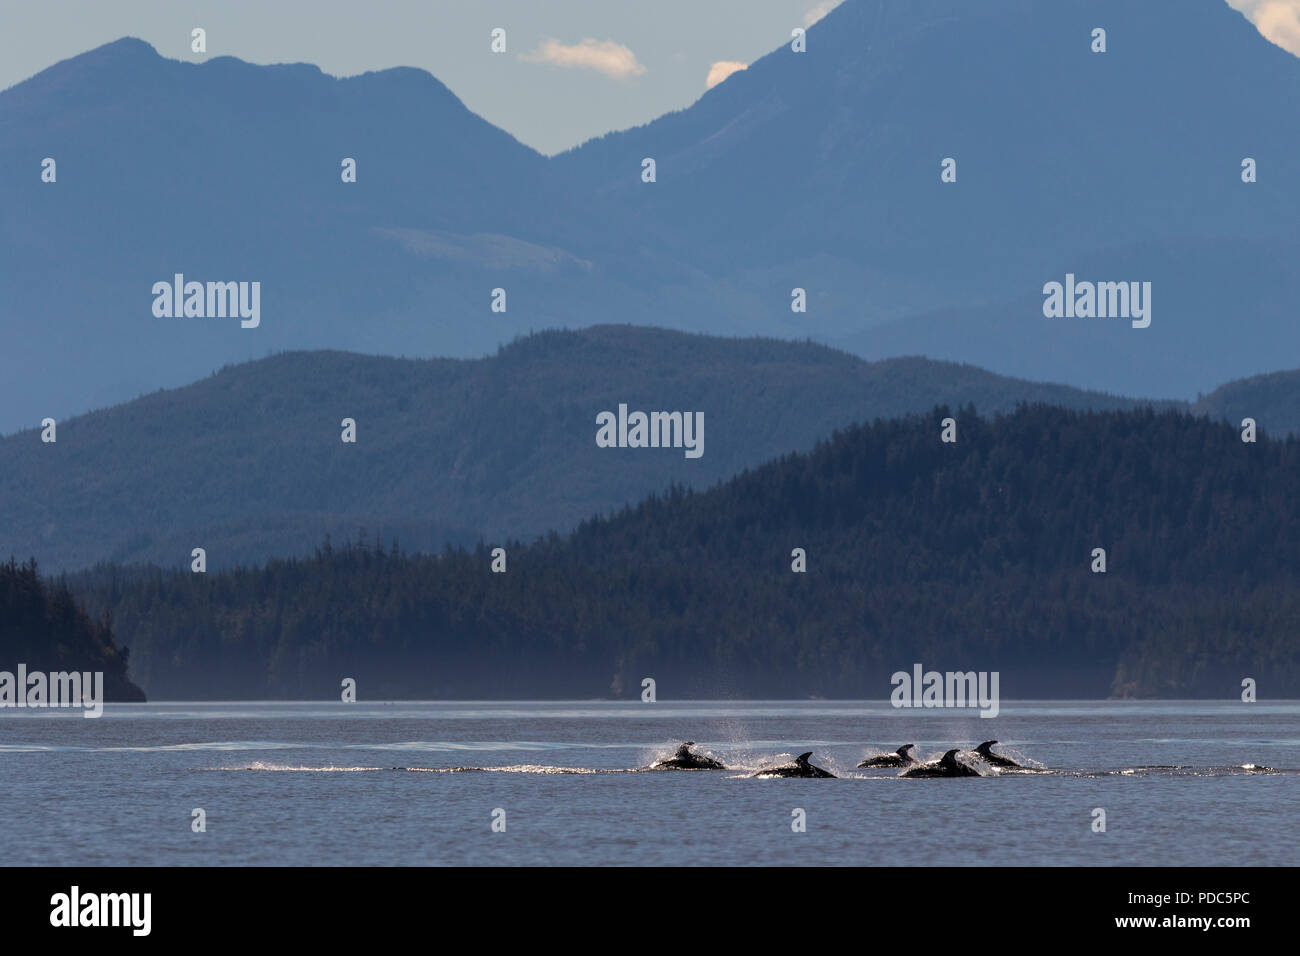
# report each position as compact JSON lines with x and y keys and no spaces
{"x":309,"y":783}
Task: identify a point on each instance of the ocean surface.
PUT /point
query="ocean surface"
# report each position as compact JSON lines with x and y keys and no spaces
{"x":1181,"y":783}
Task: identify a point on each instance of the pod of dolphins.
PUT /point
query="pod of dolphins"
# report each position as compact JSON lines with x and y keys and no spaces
{"x":946,"y":766}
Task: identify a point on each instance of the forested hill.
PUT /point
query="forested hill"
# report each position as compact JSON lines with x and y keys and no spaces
{"x":42,"y":627}
{"x":968,"y":556}
{"x":1273,"y":399}
{"x":248,"y":463}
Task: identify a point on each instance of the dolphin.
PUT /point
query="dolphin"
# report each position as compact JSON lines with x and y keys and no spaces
{"x":683,"y":759}
{"x":948,"y":766}
{"x":800,"y":768}
{"x":899,"y":758}
{"x":996,"y":760}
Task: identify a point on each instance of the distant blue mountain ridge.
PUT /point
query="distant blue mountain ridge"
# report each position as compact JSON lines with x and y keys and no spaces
{"x":816,"y":170}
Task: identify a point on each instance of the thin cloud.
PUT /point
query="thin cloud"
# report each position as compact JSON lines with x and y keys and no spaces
{"x":1278,"y":21}
{"x":604,"y":56}
{"x":819,"y":10}
{"x":723,"y":69}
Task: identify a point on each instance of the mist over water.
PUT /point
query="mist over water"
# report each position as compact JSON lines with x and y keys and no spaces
{"x":1182,"y":783}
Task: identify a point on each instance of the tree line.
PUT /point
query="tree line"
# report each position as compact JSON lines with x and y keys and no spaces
{"x":973,"y":555}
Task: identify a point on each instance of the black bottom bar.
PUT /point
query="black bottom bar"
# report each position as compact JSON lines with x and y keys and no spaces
{"x":334,"y":905}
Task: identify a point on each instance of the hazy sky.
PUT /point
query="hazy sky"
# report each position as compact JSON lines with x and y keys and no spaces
{"x":573,"y":68}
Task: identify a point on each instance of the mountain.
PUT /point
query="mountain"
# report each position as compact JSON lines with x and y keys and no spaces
{"x":227,"y":171}
{"x":817,"y":170}
{"x":1272,"y":400}
{"x":249,"y":463}
{"x":1202,"y":327}
{"x":43,"y":628}
{"x":974,"y":555}
{"x":822,"y":170}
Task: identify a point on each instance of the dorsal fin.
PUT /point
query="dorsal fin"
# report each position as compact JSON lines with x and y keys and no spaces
{"x":984,"y":747}
{"x":950,"y":757}
{"x":902,"y":751}
{"x":803,"y":758}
